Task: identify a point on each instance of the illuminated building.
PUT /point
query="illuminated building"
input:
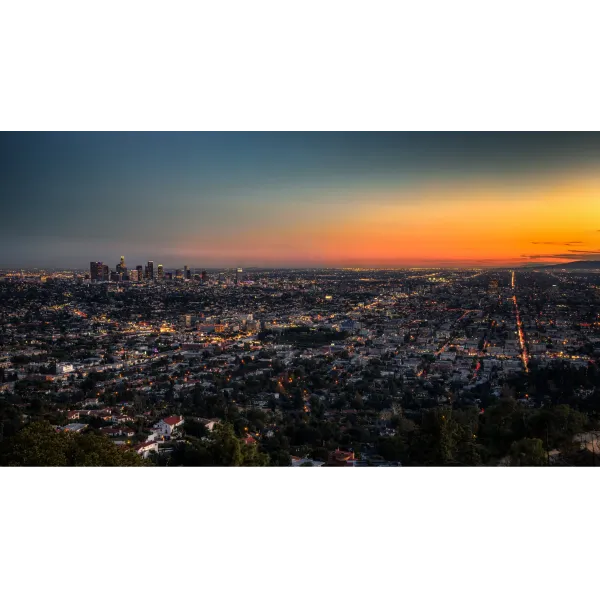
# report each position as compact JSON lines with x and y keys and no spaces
{"x":121,"y":267}
{"x":133,"y":275}
{"x":161,"y":272}
{"x":96,"y":271}
{"x":150,"y":268}
{"x":105,"y":273}
{"x":178,"y":274}
{"x":140,"y":271}
{"x":187,"y":274}
{"x":204,"y":276}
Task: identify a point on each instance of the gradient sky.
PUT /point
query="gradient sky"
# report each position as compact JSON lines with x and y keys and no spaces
{"x":299,"y":199}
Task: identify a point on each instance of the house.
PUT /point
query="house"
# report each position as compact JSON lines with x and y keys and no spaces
{"x":110,"y":431}
{"x":145,"y":448}
{"x":73,"y":414}
{"x":340,"y":458}
{"x":74,"y":427}
{"x":298,"y":462}
{"x":209,"y":423}
{"x":588,"y":441}
{"x":121,"y":419}
{"x":167,"y":426}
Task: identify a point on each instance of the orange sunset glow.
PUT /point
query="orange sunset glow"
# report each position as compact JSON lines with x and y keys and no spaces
{"x":303,"y":199}
{"x":478,"y":225}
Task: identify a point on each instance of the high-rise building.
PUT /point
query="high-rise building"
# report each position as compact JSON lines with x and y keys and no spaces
{"x":122,"y":268}
{"x":238,"y":275}
{"x":150,"y":269}
{"x":96,"y":271}
{"x":204,"y":276}
{"x":161,"y":272}
{"x":140,"y":270}
{"x":178,"y":274}
{"x":186,"y":272}
{"x":105,"y":273}
{"x":133,"y":275}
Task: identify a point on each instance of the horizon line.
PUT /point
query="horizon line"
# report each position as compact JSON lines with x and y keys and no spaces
{"x":313,"y":267}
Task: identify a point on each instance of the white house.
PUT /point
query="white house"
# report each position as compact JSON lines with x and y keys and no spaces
{"x":145,"y":448}
{"x":167,"y":426}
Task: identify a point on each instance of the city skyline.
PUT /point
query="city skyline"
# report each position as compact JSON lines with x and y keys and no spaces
{"x":299,"y":200}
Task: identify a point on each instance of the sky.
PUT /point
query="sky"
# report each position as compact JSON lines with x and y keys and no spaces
{"x":299,"y":199}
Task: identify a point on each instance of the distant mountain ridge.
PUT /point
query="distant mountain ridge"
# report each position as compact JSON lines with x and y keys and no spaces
{"x":575,"y":265}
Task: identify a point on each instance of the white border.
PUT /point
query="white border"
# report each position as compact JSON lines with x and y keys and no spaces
{"x":314,"y":65}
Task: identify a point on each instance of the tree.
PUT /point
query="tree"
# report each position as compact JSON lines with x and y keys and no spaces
{"x":528,"y":452}
{"x":251,"y":457}
{"x":40,"y":445}
{"x":226,"y":449}
{"x":195,"y":428}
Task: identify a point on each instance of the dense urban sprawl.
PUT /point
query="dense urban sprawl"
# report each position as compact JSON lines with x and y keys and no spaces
{"x":333,"y":367}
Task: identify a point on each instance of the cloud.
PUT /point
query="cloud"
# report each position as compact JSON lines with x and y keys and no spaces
{"x":557,"y":243}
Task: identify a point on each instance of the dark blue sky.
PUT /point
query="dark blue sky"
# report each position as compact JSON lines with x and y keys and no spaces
{"x":218,"y":199}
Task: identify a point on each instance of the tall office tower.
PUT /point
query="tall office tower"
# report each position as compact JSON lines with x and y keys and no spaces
{"x":121,"y":266}
{"x":161,"y":272}
{"x":204,"y":276}
{"x":133,"y":275}
{"x":221,"y":278}
{"x":188,"y":274}
{"x":178,"y":274}
{"x":150,"y":269}
{"x":186,"y":270}
{"x":238,"y":275}
{"x":96,"y":271}
{"x":169,"y":276}
{"x":105,"y":273}
{"x":140,"y":271}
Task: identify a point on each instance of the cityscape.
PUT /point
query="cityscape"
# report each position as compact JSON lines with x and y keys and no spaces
{"x":299,"y":299}
{"x":253,"y":241}
{"x":300,"y":367}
